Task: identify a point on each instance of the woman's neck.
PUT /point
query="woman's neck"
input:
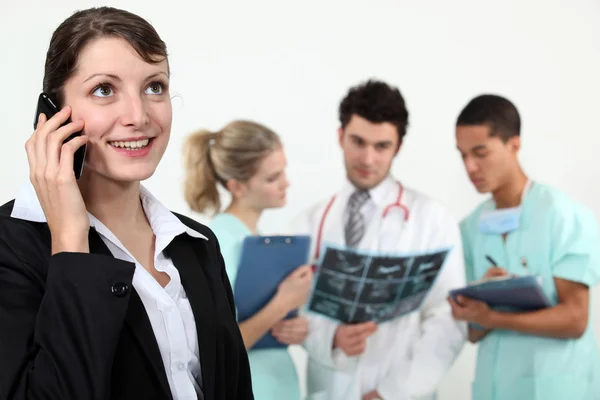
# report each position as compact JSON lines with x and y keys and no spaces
{"x":510,"y":194}
{"x":117,"y":205}
{"x":249,"y":216}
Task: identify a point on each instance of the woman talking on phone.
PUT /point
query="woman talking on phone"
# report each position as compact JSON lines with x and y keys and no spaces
{"x":104,"y":293}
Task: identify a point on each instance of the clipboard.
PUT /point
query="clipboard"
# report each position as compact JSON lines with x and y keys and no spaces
{"x":266,"y":261}
{"x":522,"y":293}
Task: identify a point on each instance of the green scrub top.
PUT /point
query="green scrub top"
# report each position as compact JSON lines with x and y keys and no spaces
{"x":273,"y":372}
{"x":557,"y":238}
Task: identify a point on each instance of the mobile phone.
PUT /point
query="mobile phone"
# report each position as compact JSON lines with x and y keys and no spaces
{"x":48,"y":106}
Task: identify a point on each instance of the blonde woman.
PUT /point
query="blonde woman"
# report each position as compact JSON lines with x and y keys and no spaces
{"x":248,"y":160}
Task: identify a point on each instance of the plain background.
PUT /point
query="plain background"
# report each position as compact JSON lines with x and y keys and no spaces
{"x":288,"y":64}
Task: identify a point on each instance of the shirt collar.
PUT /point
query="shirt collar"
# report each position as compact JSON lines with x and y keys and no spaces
{"x":379,"y":194}
{"x":162,"y":221}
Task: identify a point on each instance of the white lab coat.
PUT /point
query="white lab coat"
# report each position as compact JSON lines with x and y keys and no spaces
{"x":407,"y":357}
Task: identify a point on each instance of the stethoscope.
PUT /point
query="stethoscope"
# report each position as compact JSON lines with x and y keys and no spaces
{"x":396,"y":204}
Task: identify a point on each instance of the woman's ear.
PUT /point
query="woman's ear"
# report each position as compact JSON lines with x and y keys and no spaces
{"x":236,"y":188}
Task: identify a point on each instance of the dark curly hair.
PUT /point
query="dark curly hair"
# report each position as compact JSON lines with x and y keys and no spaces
{"x":377,"y":102}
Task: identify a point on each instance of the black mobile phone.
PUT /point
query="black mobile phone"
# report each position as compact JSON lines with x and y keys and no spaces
{"x":48,"y":106}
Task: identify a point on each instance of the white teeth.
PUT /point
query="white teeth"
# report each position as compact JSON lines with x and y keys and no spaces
{"x":134,"y":145}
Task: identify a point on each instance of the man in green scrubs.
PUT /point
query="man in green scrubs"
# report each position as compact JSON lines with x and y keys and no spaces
{"x":526,"y":227}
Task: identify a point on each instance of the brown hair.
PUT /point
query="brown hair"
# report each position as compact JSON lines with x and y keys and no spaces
{"x":234,"y":152}
{"x":74,"y":33}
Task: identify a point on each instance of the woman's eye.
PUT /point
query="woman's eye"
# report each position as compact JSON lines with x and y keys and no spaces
{"x":155,"y":88}
{"x":103,"y":91}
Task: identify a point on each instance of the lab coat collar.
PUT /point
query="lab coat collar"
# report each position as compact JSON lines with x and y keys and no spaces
{"x":162,"y":221}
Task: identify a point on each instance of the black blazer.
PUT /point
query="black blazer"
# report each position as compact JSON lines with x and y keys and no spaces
{"x":72,"y":327}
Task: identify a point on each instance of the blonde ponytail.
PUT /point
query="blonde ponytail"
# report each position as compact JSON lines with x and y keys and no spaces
{"x":232,"y":153}
{"x":200,"y":191}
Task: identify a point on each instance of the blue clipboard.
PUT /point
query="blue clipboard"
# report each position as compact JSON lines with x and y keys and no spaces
{"x":265,"y":261}
{"x":523,"y":293}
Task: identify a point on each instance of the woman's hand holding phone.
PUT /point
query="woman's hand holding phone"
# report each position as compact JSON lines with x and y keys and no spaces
{"x":51,"y":173}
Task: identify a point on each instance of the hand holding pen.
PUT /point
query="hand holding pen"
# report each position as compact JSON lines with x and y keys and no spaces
{"x":495,"y":271}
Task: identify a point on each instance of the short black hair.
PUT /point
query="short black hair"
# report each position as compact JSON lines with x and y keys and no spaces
{"x":376,"y":102}
{"x":495,"y":111}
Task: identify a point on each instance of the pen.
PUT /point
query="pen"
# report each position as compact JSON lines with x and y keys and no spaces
{"x":491,"y":260}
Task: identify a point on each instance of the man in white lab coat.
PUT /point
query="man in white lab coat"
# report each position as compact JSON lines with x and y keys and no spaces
{"x":406,"y":358}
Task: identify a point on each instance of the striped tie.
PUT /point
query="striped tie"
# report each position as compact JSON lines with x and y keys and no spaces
{"x":355,"y":222}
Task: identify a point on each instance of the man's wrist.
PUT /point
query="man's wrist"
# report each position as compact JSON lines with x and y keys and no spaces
{"x":492,"y":320}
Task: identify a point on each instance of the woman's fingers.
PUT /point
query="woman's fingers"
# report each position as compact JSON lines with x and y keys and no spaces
{"x":39,"y":145}
{"x":66,"y":171}
{"x":291,"y":331}
{"x":283,"y":326}
{"x":55,"y":145}
{"x":48,"y":131}
{"x":46,"y":127}
{"x":294,"y":335}
{"x":290,"y":327}
{"x":52,"y":124}
{"x":51,"y":173}
{"x":303,"y":272}
{"x":31,"y":150}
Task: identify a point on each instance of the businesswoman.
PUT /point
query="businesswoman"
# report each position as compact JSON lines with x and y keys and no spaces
{"x":104,"y":293}
{"x":248,"y":160}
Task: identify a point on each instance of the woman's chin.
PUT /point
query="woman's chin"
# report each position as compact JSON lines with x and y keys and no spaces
{"x":131,"y":174}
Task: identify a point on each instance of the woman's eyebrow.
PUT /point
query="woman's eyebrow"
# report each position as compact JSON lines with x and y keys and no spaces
{"x":101,"y":74}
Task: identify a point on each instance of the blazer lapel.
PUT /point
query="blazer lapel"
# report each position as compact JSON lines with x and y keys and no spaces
{"x":190,"y":257}
{"x":137,"y":321}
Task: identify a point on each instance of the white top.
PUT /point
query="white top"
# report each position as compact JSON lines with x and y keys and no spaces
{"x":168,"y":308}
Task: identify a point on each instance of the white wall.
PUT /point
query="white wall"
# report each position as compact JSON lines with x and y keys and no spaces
{"x":288,"y":65}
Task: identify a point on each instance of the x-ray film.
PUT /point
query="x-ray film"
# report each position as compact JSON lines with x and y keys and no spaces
{"x":353,"y":286}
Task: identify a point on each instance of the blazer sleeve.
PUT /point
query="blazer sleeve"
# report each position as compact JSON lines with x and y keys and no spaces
{"x":60,"y":331}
